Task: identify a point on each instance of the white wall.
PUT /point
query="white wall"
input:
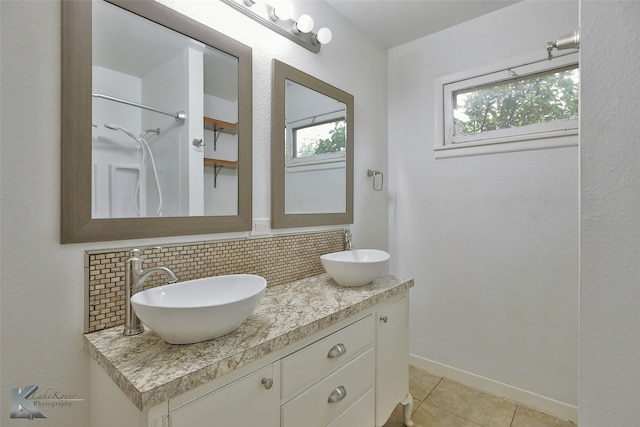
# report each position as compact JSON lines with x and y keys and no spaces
{"x":42,"y":281}
{"x":492,"y":240}
{"x":610,"y":224}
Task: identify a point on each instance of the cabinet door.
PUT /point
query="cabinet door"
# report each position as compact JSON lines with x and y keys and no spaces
{"x":392,"y":357}
{"x":246,"y":402}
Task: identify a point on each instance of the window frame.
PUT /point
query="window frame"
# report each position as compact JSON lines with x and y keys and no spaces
{"x":293,"y":161}
{"x":559,"y":133}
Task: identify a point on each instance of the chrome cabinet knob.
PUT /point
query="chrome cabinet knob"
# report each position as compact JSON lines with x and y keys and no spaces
{"x":384,"y":319}
{"x":336,"y":351}
{"x":337,"y":395}
{"x":267,"y":383}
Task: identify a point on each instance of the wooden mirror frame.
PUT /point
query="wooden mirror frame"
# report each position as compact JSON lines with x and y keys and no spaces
{"x":77,"y":224}
{"x":279,"y":218}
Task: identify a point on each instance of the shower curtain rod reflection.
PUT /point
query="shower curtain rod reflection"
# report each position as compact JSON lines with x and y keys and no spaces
{"x":180,"y":116}
{"x":318,"y":115}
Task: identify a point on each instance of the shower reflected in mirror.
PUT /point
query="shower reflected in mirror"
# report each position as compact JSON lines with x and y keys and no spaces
{"x":148,"y":76}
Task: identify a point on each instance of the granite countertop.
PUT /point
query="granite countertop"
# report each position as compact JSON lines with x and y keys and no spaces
{"x":150,"y":371}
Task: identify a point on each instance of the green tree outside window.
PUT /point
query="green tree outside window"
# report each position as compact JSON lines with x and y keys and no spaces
{"x":321,"y":139}
{"x":530,"y":100}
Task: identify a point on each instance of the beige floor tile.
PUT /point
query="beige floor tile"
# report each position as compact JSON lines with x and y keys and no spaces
{"x":430,"y":416}
{"x":416,"y":403}
{"x":527,"y":417}
{"x":421,"y":383}
{"x":473,"y":405}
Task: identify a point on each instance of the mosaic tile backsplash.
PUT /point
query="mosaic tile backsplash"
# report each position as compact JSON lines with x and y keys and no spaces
{"x":279,"y":259}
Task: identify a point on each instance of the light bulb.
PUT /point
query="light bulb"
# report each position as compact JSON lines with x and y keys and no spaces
{"x":324,"y":35}
{"x":304,"y":24}
{"x":282,"y":11}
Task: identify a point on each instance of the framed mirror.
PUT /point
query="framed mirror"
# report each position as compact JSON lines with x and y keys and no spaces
{"x":156,"y":124}
{"x":311,"y":151}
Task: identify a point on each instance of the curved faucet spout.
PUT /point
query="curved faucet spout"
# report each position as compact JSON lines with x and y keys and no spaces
{"x":144,"y":275}
{"x":135,"y":276}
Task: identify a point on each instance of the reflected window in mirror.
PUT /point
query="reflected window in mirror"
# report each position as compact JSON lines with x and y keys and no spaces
{"x":312,"y":166}
{"x":314,"y":134}
{"x":168,"y":120}
{"x":319,"y":141}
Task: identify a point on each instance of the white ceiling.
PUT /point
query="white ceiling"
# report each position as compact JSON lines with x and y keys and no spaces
{"x":394,"y":22}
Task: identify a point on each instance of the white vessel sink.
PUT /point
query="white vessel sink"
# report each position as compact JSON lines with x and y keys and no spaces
{"x":356,"y":267}
{"x":199,"y":310}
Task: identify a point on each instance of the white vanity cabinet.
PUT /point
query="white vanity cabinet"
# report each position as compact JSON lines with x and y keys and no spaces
{"x":352,"y":373}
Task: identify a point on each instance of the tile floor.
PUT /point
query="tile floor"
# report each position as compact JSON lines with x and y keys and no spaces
{"x":440,"y":402}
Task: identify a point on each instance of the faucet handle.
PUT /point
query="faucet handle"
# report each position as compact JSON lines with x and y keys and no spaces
{"x":134,"y":262}
{"x":347,"y":239}
{"x":134,"y":259}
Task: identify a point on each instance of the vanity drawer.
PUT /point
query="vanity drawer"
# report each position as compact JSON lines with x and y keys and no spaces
{"x":360,"y":414}
{"x":317,"y":360}
{"x":346,"y":385}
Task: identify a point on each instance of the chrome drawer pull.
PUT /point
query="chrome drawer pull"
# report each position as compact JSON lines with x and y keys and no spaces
{"x":268,"y":383}
{"x":337,"y":395}
{"x":336,"y":351}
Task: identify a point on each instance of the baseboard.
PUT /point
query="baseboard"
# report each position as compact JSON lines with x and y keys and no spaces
{"x":551,"y":406}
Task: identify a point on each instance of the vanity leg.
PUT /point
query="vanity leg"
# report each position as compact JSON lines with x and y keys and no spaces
{"x":407,"y":404}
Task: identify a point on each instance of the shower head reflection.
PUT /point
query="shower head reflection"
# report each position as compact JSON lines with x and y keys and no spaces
{"x":116,"y":127}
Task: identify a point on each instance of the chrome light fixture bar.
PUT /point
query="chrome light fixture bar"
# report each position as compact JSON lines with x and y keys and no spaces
{"x":274,"y":18}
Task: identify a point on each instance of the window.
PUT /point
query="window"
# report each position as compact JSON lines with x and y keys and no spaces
{"x":315,"y":142}
{"x":320,"y":138}
{"x":535,"y":105}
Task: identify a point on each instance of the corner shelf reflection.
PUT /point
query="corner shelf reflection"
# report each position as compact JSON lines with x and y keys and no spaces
{"x":218,"y":165}
{"x":218,"y":127}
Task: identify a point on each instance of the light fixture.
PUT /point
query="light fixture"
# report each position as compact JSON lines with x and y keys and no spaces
{"x":323,"y":36}
{"x":282,"y":11}
{"x":304,"y":24}
{"x":278,"y":17}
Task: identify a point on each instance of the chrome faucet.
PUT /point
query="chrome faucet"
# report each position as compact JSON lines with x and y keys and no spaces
{"x":135,"y":277}
{"x":347,"y":239}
